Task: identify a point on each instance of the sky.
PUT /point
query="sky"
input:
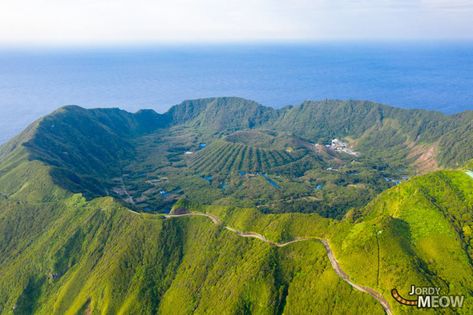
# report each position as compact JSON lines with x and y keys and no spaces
{"x":63,"y":22}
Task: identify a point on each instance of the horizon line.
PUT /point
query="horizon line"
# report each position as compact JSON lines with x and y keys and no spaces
{"x":242,"y":43}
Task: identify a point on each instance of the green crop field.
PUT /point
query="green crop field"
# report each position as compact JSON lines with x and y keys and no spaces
{"x":225,"y":157}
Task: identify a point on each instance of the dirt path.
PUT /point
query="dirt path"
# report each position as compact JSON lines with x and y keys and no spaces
{"x":333,"y":261}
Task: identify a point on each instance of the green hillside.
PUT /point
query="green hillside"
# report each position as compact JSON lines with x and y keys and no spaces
{"x":423,"y":230}
{"x":221,"y":114}
{"x":84,"y":196}
{"x":69,"y":255}
{"x":383,"y":130}
{"x":73,"y":256}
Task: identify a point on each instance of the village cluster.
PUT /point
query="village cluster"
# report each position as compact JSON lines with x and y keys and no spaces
{"x":340,"y":146}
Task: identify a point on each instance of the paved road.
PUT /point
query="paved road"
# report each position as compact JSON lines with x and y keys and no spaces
{"x":330,"y":254}
{"x":346,"y":278}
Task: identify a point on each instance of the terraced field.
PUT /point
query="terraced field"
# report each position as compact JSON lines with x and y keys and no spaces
{"x":223,"y":157}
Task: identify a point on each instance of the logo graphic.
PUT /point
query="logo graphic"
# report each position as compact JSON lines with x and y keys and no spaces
{"x":428,"y":297}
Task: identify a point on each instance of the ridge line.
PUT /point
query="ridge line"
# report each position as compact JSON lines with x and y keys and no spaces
{"x":333,"y":261}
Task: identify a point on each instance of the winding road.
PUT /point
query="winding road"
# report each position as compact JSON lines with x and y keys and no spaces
{"x":333,"y":261}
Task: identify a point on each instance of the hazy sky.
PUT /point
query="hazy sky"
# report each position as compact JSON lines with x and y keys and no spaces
{"x":123,"y":21}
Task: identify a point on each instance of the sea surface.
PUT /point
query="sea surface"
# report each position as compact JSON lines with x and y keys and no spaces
{"x":34,"y":82}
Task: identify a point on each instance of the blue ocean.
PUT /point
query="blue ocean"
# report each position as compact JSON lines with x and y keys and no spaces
{"x":33,"y":82}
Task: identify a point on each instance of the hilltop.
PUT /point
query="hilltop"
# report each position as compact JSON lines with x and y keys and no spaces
{"x":82,"y":194}
{"x":235,"y":149}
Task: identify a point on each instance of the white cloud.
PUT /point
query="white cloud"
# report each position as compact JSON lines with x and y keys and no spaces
{"x":447,"y":4}
{"x":108,"y":21}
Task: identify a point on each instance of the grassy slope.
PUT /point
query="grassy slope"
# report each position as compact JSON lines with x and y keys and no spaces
{"x":382,"y":130}
{"x":88,"y":149}
{"x":379,"y":130}
{"x":71,"y":256}
{"x":60,"y":253}
{"x":425,"y":236}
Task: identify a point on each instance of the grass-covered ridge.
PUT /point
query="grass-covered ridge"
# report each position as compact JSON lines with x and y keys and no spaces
{"x":73,"y":256}
{"x":81,"y":191}
{"x":276,"y":160}
{"x":98,"y":257}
